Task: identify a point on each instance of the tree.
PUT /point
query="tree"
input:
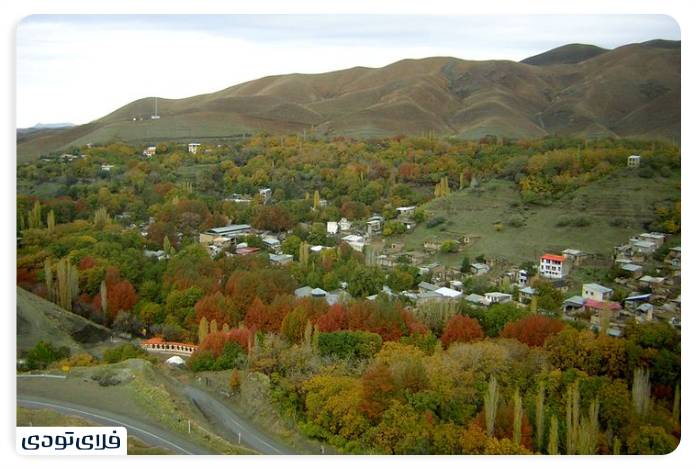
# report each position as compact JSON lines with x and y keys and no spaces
{"x":517,"y":424}
{"x":641,"y":391}
{"x":202,"y":329}
{"x":552,"y":448}
{"x":651,"y":440}
{"x":532,"y":330}
{"x":490,"y":405}
{"x":51,"y":221}
{"x":539,"y":413}
{"x":462,"y":329}
{"x":67,"y":283}
{"x":377,"y":390}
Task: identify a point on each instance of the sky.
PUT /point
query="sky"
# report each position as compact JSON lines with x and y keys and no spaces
{"x":77,"y":68}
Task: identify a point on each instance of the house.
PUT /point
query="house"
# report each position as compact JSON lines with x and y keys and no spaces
{"x":271,"y":242}
{"x":355,"y":241}
{"x":642,"y":247}
{"x":448,"y":293}
{"x":158,"y":254}
{"x":406,"y":211}
{"x":237,"y":198}
{"x":596,"y":292}
{"x":424,"y":286}
{"x":230,"y":232}
{"x":526,"y":294}
{"x":476,"y":299}
{"x":575,"y":256}
{"x":266,"y":194}
{"x":634,"y":270}
{"x":479,"y":268}
{"x":498,"y":297}
{"x":107,"y":167}
{"x":193,"y":147}
{"x":657,"y":238}
{"x":554,"y":266}
{"x":331,"y":298}
{"x":150,"y":151}
{"x":457,"y":285}
{"x":573,"y":303}
{"x":331,"y":227}
{"x":374,"y":224}
{"x":247,"y":250}
{"x":592,"y":305}
{"x":344,"y":224}
{"x":633,"y":161}
{"x":280,"y":259}
{"x":522,"y":278}
{"x":633,"y":301}
{"x":317,"y":248}
{"x":651,"y":281}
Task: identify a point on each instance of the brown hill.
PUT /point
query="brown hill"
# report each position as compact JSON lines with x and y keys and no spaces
{"x":630,"y":91}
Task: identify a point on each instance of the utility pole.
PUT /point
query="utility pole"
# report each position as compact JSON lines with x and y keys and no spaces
{"x":239,"y":438}
{"x":189,"y":426}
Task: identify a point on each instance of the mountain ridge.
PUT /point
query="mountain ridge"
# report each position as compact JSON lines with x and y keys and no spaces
{"x":630,"y":91}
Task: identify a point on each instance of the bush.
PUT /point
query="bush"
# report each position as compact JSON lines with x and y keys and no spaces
{"x":201,"y":361}
{"x":448,"y":246}
{"x":516,"y":221}
{"x":572,"y":221}
{"x":435,"y":222}
{"x":123,"y":352}
{"x":349,"y":344}
{"x":44,"y":353}
{"x":232,"y":356}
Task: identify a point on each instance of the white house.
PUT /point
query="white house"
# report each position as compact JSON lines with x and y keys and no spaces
{"x":280,"y":259}
{"x":265,"y":194}
{"x":448,"y":292}
{"x":657,"y":238}
{"x":498,"y":297}
{"x":344,"y":224}
{"x":107,"y":167}
{"x":633,"y":161}
{"x":596,"y":292}
{"x":406,"y":211}
{"x":355,"y":241}
{"x":331,"y":227}
{"x":193,"y":147}
{"x":150,"y":151}
{"x":554,"y":266}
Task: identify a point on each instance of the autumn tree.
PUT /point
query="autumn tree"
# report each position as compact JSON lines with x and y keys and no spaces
{"x":532,"y":330}
{"x":463,"y":329}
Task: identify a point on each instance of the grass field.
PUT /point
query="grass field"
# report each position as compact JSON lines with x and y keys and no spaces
{"x":623,"y":195}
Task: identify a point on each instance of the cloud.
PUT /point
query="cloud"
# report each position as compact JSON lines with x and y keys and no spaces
{"x":78,"y":68}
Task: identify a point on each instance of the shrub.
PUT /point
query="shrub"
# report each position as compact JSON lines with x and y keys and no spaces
{"x":349,"y":344}
{"x":201,"y":361}
{"x":122,"y":352}
{"x":435,"y":222}
{"x":44,"y":353}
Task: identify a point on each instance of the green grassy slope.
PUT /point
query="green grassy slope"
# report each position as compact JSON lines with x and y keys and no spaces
{"x":623,"y":195}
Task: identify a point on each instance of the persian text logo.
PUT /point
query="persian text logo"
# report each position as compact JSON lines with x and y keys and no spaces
{"x":72,"y":441}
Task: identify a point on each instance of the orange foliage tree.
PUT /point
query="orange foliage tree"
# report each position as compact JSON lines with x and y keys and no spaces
{"x":532,"y":330}
{"x":461,"y":328}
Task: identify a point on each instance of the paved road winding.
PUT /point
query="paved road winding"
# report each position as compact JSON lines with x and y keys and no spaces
{"x":231,"y":425}
{"x":149,"y":434}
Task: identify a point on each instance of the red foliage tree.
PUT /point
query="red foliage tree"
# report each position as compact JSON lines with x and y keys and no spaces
{"x":333,"y":320}
{"x":532,"y":330}
{"x":86,"y":263}
{"x":461,"y":328}
{"x":120,"y":296}
{"x":215,"y":342}
{"x":216,"y":307}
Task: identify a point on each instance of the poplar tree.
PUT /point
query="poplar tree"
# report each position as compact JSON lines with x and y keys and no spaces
{"x":552,"y":448}
{"x":48,"y":275}
{"x":540,"y":417}
{"x":51,"y":221}
{"x":517,"y":420}
{"x":490,"y":405}
{"x":202,"y":330}
{"x":641,"y":391}
{"x":67,"y":277}
{"x":103,"y":295}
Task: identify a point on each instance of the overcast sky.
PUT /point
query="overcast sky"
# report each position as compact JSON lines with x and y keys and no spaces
{"x":78,"y":68}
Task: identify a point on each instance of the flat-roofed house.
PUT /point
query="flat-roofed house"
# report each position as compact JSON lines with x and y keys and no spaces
{"x":596,"y":292}
{"x":193,"y":147}
{"x":554,"y":266}
{"x":230,"y":232}
{"x":633,"y":161}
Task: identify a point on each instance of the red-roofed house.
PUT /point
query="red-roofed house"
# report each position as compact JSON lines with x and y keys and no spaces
{"x":593,"y":305}
{"x":554,"y":266}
